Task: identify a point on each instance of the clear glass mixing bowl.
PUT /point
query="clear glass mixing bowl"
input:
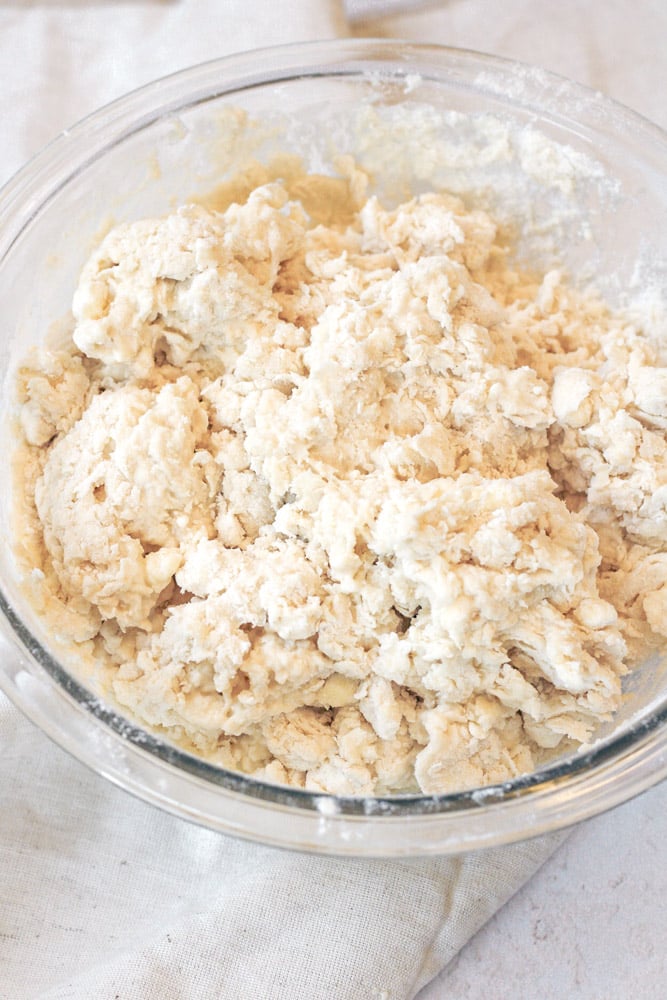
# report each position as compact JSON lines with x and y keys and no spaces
{"x":598,"y":200}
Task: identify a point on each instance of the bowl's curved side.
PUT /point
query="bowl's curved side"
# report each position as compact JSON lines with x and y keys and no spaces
{"x":49,"y":213}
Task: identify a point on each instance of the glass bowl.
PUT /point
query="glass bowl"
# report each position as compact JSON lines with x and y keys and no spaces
{"x":598,"y":201}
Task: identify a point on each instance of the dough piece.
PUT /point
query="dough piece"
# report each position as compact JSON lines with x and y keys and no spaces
{"x":334,"y":497}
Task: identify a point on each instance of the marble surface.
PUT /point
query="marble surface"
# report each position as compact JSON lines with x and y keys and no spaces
{"x":591,"y":925}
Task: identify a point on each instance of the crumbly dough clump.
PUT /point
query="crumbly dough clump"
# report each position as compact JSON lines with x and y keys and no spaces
{"x":346,"y":504}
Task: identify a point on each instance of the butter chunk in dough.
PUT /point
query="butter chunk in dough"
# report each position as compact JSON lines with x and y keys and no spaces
{"x":335,"y":497}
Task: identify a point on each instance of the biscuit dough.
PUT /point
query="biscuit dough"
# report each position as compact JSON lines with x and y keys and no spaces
{"x":330,"y":494}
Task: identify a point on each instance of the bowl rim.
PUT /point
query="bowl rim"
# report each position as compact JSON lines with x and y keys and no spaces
{"x":566,"y":790}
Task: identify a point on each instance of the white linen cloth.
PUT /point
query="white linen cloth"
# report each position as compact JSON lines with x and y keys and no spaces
{"x":102,"y":896}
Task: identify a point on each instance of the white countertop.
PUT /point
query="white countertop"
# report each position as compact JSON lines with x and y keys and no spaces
{"x":591,"y":925}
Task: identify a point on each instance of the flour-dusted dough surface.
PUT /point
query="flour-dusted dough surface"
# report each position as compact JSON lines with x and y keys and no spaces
{"x":331,"y":495}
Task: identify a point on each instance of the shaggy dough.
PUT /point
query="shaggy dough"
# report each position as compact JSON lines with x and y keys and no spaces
{"x":331,"y":495}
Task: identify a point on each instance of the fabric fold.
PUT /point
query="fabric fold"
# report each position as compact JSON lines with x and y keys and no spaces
{"x":103,"y":895}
